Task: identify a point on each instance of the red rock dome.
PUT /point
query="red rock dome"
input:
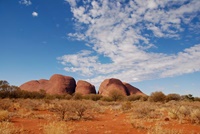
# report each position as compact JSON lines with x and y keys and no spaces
{"x":58,"y":84}
{"x":84,"y":88}
{"x":112,"y":84}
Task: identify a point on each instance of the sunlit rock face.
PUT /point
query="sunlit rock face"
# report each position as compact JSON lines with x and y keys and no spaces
{"x":57,"y":84}
{"x":112,"y":84}
{"x":84,"y":88}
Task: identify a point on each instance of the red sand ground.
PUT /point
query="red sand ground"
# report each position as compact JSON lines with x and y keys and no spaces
{"x":110,"y":122}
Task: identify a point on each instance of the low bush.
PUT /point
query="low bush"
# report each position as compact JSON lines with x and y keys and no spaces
{"x":184,"y":111}
{"x":79,"y":108}
{"x":62,"y":109}
{"x":196,"y":99}
{"x":106,"y":98}
{"x":157,"y":97}
{"x":5,"y":104}
{"x":144,"y":98}
{"x":144,"y":112}
{"x":188,"y":97}
{"x":77,"y":96}
{"x":173,"y":114}
{"x":74,"y":110}
{"x":116,"y":95}
{"x":175,"y":97}
{"x":134,"y":97}
{"x":126,"y":106}
{"x":94,"y":97}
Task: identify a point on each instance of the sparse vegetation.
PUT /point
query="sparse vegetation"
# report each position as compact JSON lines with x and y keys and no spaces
{"x":71,"y":110}
{"x":58,"y":113}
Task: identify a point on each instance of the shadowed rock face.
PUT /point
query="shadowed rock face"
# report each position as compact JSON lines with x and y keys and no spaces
{"x":132,"y":89}
{"x":112,"y":84}
{"x":84,"y":88}
{"x":57,"y":84}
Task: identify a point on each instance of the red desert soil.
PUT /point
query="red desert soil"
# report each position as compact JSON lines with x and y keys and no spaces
{"x":110,"y":122}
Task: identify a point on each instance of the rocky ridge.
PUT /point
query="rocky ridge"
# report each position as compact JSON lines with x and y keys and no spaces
{"x":60,"y":84}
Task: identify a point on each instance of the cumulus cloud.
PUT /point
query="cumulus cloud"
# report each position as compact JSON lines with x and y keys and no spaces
{"x":34,"y":14}
{"x":122,"y":32}
{"x":25,"y":2}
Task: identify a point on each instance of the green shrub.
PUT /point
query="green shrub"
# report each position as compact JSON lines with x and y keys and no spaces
{"x":94,"y":97}
{"x":144,"y":98}
{"x":196,"y":99}
{"x":106,"y":98}
{"x":188,"y":97}
{"x":77,"y":96}
{"x":175,"y":97}
{"x":116,"y":95}
{"x":157,"y":97}
{"x":134,"y":97}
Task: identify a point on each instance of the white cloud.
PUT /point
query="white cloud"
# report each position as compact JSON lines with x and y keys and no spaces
{"x":25,"y":2}
{"x":82,"y":62}
{"x":35,"y":14}
{"x":152,"y":4}
{"x":122,"y":32}
{"x":71,"y":2}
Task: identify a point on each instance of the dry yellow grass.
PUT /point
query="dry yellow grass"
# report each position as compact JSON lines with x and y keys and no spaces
{"x":8,"y":128}
{"x":4,"y":115}
{"x":56,"y":128}
{"x":138,"y":114}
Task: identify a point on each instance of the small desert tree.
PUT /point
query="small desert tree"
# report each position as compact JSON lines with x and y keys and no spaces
{"x":189,"y":97}
{"x":62,"y":109}
{"x":79,"y":108}
{"x":71,"y":109}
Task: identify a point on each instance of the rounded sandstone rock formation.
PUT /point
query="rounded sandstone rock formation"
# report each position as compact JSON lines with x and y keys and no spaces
{"x":58,"y":84}
{"x":32,"y":86}
{"x":112,"y":84}
{"x":84,"y":88}
{"x":132,"y":89}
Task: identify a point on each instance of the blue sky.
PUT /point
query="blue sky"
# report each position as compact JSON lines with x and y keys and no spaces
{"x":154,"y":44}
